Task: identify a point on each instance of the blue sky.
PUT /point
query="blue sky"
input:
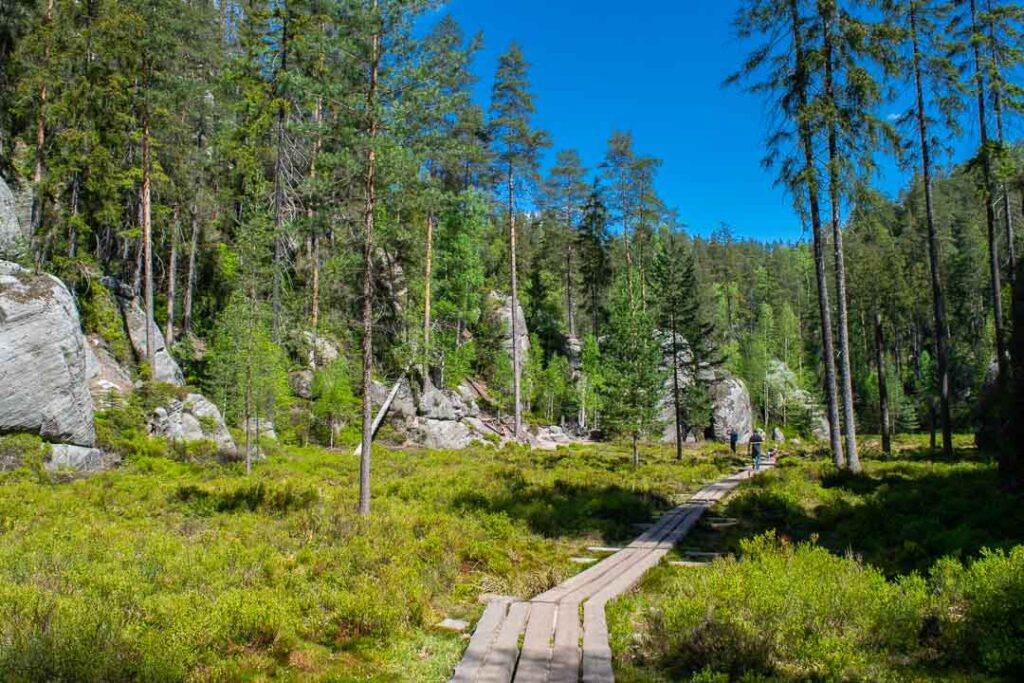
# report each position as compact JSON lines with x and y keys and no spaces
{"x":655,"y":69}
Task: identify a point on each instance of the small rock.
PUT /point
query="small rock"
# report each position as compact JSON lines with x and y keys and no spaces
{"x":78,"y":458}
{"x":457,"y":625}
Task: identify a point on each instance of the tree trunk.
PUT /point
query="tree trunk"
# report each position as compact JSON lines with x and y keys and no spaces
{"x":371,"y":198}
{"x":636,"y":450}
{"x":990,"y":212}
{"x":190,"y":273}
{"x":73,"y":228}
{"x":942,"y":356}
{"x":675,"y":390}
{"x":997,"y":105}
{"x":807,"y":145}
{"x":517,"y":420}
{"x":427,"y":275}
{"x":147,"y":244}
{"x":883,"y":388}
{"x":842,"y":323}
{"x":172,"y":271}
{"x":279,"y":186}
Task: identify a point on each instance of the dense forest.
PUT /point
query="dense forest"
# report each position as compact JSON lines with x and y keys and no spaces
{"x":269,"y":174}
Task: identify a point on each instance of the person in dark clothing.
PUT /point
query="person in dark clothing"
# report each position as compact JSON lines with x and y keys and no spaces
{"x":734,"y":439}
{"x":754,"y":447}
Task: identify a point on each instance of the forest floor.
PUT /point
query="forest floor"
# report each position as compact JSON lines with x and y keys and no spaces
{"x":911,"y":571}
{"x":164,"y":570}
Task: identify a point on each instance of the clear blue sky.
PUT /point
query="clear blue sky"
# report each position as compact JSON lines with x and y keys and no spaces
{"x":656,"y":69}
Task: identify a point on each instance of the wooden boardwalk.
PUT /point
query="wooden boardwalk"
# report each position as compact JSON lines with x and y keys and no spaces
{"x":561,"y":635}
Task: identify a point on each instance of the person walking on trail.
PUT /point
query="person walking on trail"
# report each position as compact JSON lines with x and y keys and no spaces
{"x":754,"y":448}
{"x":734,"y":439}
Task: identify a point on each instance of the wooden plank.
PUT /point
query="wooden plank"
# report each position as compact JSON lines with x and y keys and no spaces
{"x":535,"y":659}
{"x":565,"y":657}
{"x":501,"y":659}
{"x":480,"y":644}
{"x":597,"y":652}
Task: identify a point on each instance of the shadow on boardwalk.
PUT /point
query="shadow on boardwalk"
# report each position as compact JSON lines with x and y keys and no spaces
{"x":564,"y":509}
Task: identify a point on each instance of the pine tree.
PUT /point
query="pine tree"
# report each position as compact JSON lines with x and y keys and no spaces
{"x":595,"y":261}
{"x":786,"y":61}
{"x":566,"y":195}
{"x":517,"y":148}
{"x":919,"y":25}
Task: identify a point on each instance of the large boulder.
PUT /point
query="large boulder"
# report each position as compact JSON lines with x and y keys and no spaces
{"x":731,"y":408}
{"x":192,"y":419}
{"x":442,"y":434}
{"x":12,"y":232}
{"x":42,"y":360}
{"x":403,"y":407}
{"x":502,"y":308}
{"x":322,"y":351}
{"x":730,"y":399}
{"x":77,"y":458}
{"x":301,"y":383}
{"x":165,"y":368}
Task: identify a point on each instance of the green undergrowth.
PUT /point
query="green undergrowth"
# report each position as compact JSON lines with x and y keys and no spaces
{"x":169,"y":570}
{"x":910,"y":571}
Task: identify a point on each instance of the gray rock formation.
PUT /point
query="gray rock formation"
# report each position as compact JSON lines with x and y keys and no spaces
{"x":265,"y":428}
{"x":42,"y":360}
{"x":106,"y":376}
{"x":13,"y":235}
{"x":322,"y":351}
{"x":442,"y":434}
{"x":730,"y":399}
{"x":77,"y":458}
{"x":301,"y":383}
{"x":502,"y":309}
{"x":166,"y":368}
{"x":778,"y":436}
{"x":731,"y":408}
{"x":403,"y":408}
{"x":192,"y":419}
{"x":785,"y":391}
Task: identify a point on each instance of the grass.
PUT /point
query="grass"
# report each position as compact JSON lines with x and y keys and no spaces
{"x":165,"y":570}
{"x":911,"y":571}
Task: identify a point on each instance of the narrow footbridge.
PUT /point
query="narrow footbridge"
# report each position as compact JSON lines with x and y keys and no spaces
{"x":561,"y":635}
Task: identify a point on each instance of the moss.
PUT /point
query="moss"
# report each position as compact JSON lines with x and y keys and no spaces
{"x":101,"y":316}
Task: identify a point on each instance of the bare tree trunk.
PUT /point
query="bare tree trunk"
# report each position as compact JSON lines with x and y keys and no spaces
{"x":990,"y":213}
{"x":190,"y":273}
{"x":517,"y":420}
{"x":371,"y":197}
{"x":73,"y":227}
{"x":172,"y":271}
{"x":427,"y":276}
{"x":636,"y":449}
{"x":807,"y":145}
{"x":36,"y":219}
{"x":883,"y":387}
{"x":675,"y":389}
{"x":842,"y":324}
{"x":147,"y":244}
{"x":933,"y":245}
{"x":279,"y":187}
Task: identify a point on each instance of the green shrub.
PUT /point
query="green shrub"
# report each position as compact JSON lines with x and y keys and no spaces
{"x":101,"y":316}
{"x":22,"y":450}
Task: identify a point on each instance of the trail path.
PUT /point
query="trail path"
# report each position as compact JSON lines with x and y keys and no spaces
{"x":561,"y":635}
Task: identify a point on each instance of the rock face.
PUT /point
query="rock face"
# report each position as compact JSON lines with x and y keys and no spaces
{"x":106,"y":376}
{"x":42,"y":360}
{"x":322,"y":351}
{"x":301,"y":383}
{"x":782,"y":383}
{"x":12,"y":233}
{"x":731,"y":408}
{"x":165,"y":368}
{"x":78,"y":458}
{"x":192,"y":419}
{"x":502,"y":306}
{"x":730,"y":400}
{"x":442,"y":434}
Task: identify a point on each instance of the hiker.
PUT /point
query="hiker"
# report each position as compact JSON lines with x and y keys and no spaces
{"x":754,"y":448}
{"x":734,"y":439}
